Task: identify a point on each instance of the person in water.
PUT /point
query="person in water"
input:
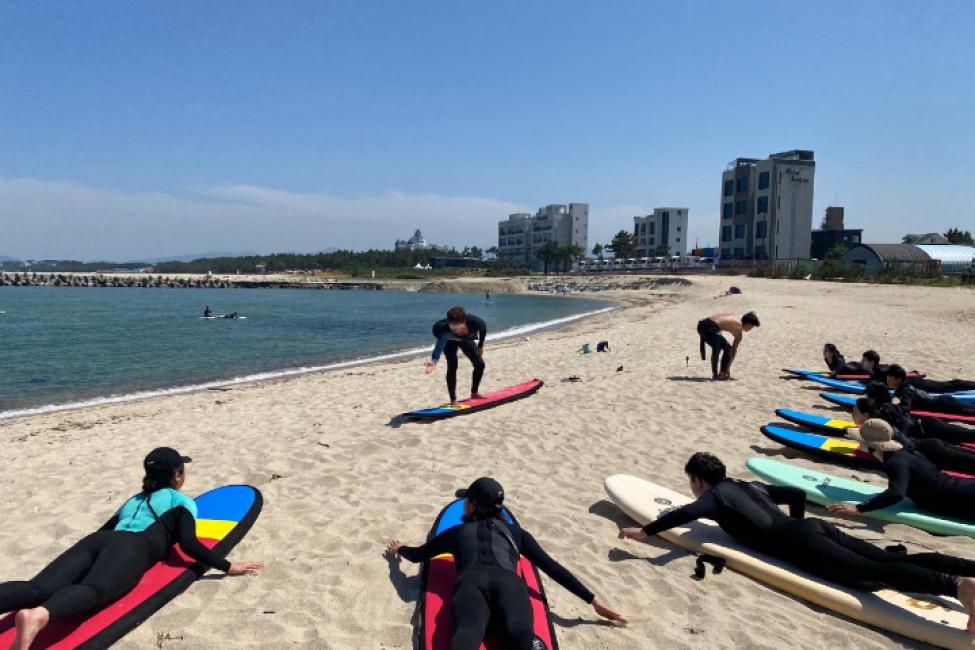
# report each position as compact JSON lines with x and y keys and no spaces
{"x":909,"y":475}
{"x":911,"y":425}
{"x":913,"y":398}
{"x":945,"y":456}
{"x":107,"y":564}
{"x":749,"y":513}
{"x":459,"y":331}
{"x":709,"y":330}
{"x":486,"y":550}
{"x":207,"y":313}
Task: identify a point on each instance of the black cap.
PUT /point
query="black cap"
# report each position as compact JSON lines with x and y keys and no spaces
{"x":486,"y":492}
{"x":164,"y":459}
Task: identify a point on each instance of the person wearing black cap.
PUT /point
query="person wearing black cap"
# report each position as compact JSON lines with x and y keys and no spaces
{"x":486,"y":550}
{"x":107,"y":564}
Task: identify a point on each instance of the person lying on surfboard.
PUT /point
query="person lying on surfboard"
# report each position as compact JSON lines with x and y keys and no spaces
{"x":749,"y":513}
{"x":709,"y":330}
{"x":945,"y":456}
{"x":917,"y":399}
{"x":107,"y":564}
{"x":459,"y":331}
{"x":486,"y":550}
{"x":914,"y":426}
{"x":909,"y":475}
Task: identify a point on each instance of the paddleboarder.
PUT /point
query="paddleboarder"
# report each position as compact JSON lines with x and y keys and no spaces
{"x":464,"y":332}
{"x":207,"y":313}
{"x":486,"y":552}
{"x":749,"y":513}
{"x":107,"y":564}
{"x":709,"y":330}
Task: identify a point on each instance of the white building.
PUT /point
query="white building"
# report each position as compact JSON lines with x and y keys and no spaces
{"x":665,"y":227}
{"x":766,"y":207}
{"x":414,"y":243}
{"x":522,"y":234}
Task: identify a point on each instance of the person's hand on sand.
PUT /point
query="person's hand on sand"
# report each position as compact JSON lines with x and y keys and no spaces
{"x":633,"y":533}
{"x":393,"y":548}
{"x":244,"y":568}
{"x":600,"y":608}
{"x":430,"y":367}
{"x":843,"y":509}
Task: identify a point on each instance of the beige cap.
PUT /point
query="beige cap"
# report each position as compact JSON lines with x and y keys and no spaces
{"x":875,"y":434}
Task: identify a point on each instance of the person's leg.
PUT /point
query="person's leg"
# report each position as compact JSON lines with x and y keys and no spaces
{"x":948,"y":404}
{"x":947,"y":456}
{"x":450,"y":354}
{"x":67,"y":569}
{"x":470,"y":351}
{"x":509,"y":596}
{"x":950,"y":386}
{"x":725,"y":353}
{"x":955,"y":434}
{"x":470,"y":612}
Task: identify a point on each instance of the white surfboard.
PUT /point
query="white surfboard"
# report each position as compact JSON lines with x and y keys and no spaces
{"x":936,"y":620}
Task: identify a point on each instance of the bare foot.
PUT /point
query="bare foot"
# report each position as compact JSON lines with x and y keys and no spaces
{"x":966,"y":594}
{"x":454,"y":404}
{"x":29,"y":623}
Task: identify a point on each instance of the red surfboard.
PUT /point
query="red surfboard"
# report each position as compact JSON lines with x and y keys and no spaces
{"x":486,"y":401}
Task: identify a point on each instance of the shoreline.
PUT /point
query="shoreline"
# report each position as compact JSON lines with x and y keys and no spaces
{"x":285,"y":373}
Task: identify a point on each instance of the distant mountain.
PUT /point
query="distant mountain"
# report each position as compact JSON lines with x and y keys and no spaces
{"x":8,"y":259}
{"x":198,"y":256}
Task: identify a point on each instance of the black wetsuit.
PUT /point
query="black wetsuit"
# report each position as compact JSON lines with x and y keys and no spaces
{"x":748,"y":513}
{"x":914,"y":399}
{"x":914,"y":476}
{"x":106,"y":565}
{"x":486,"y":555}
{"x":449,"y":343}
{"x":710,"y":334}
{"x":839,"y":366}
{"x":934,"y":386}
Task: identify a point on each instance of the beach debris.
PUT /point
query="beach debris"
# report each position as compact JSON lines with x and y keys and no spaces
{"x":163,"y":637}
{"x":571,"y":378}
{"x":620,"y":369}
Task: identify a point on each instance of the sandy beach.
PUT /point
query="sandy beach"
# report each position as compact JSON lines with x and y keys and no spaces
{"x":339,"y":479}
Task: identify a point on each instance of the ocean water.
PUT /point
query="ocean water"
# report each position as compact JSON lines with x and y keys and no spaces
{"x":68,"y":347}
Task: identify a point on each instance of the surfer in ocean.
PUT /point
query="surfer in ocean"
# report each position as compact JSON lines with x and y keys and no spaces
{"x":464,"y":332}
{"x":107,"y":564}
{"x":486,"y":550}
{"x":749,"y":513}
{"x":207,"y":313}
{"x":709,"y":330}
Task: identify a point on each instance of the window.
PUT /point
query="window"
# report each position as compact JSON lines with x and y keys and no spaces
{"x":760,"y":253}
{"x":739,"y":231}
{"x":678,"y":228}
{"x":762,"y":205}
{"x":778,"y":202}
{"x":741,"y":207}
{"x":726,"y":233}
{"x":729,"y":187}
{"x":761,"y":229}
{"x":739,"y":253}
{"x":678,"y":239}
{"x":666,"y":214}
{"x":725,"y":252}
{"x":763,"y":180}
{"x":742,"y":184}
{"x":726,"y":210}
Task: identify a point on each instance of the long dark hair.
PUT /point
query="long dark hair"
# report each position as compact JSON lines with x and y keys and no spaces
{"x":158,"y":480}
{"x":480,"y":512}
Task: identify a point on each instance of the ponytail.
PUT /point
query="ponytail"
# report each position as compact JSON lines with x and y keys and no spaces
{"x":479,"y":512}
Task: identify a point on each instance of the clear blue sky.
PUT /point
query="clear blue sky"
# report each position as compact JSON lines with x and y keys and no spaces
{"x":149,"y":129}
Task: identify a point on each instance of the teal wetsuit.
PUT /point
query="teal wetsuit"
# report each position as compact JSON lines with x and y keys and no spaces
{"x":107,"y":564}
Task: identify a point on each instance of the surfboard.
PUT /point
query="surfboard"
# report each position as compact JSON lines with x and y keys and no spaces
{"x":837,"y":450}
{"x":854,"y":376}
{"x":826,"y":489}
{"x":838,"y":384}
{"x":817,"y":421}
{"x":932,"y":619}
{"x":437,"y":588}
{"x":224,"y":516}
{"x":849,"y":402}
{"x":486,"y":401}
{"x":222,"y":318}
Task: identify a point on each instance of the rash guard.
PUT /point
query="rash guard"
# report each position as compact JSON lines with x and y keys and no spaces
{"x":914,"y":476}
{"x":476,"y":329}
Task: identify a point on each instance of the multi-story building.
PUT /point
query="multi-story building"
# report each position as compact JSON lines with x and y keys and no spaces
{"x":665,"y":227}
{"x":766,"y":207}
{"x":416,"y":242}
{"x":522,"y":234}
{"x":833,"y":233}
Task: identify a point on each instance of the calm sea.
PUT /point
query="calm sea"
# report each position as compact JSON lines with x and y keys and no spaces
{"x":67,"y":347}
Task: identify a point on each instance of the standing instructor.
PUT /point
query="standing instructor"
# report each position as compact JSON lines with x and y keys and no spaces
{"x":463,"y":331}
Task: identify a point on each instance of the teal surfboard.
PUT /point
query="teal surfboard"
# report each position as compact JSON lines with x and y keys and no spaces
{"x":826,"y":489}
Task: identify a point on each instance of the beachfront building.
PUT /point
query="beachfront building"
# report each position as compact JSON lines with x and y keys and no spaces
{"x":666,"y":227}
{"x":832,"y":233}
{"x":766,"y":207}
{"x":414,"y":243}
{"x":950,"y":258}
{"x":522,"y":234}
